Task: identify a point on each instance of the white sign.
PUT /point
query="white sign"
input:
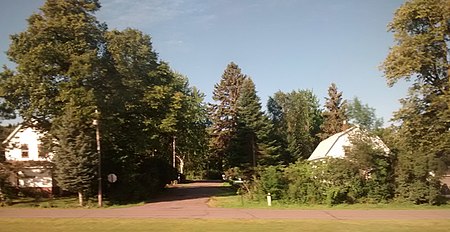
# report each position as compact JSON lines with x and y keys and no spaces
{"x":112,"y":178}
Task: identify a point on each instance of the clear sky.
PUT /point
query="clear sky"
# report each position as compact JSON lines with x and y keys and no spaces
{"x":282,"y":44}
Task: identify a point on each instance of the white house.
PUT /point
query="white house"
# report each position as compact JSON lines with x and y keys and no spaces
{"x":24,"y":151}
{"x":334,"y":146}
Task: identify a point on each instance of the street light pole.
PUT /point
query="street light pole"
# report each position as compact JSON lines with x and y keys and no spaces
{"x":97,"y":137}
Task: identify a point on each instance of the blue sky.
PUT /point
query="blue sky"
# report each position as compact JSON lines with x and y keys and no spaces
{"x":282,"y":44}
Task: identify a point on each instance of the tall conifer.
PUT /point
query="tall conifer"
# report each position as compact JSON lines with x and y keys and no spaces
{"x":223,"y":114}
{"x":334,"y":116}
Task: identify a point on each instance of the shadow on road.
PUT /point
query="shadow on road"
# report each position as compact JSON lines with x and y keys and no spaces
{"x":193,"y":190}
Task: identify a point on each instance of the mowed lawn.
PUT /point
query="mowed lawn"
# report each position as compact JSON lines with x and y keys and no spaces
{"x":114,"y":224}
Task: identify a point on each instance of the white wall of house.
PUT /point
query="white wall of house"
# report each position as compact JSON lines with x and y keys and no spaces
{"x":24,"y":145}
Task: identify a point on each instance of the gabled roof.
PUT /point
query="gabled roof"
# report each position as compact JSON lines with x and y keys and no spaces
{"x":10,"y":136}
{"x":334,"y":146}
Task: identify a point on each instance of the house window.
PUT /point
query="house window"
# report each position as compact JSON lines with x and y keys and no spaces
{"x":24,"y":148}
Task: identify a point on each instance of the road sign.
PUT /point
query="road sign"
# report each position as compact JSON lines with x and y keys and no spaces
{"x":112,"y":178}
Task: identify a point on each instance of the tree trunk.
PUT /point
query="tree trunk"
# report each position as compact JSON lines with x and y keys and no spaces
{"x":80,"y":198}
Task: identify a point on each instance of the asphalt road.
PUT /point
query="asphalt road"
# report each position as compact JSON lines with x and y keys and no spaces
{"x":190,"y":201}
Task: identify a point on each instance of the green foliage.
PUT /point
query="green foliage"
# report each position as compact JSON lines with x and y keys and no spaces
{"x":364,"y":176}
{"x":69,"y":65}
{"x":303,"y":187}
{"x":272,"y":180}
{"x":296,"y":119}
{"x":75,"y":152}
{"x":363,"y":115}
{"x":375,"y":165}
{"x":422,"y":32}
{"x":335,"y":114}
{"x":150,"y":176}
{"x":223,"y":115}
{"x":252,"y":144}
{"x":6,"y":189}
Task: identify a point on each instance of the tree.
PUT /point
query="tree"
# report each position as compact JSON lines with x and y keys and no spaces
{"x":296,"y":119}
{"x":251,"y":145}
{"x":363,"y":115}
{"x":60,"y":48}
{"x":69,"y":65}
{"x":421,"y":55}
{"x":223,"y":114}
{"x":57,"y":59}
{"x":75,"y":155}
{"x":334,"y":116}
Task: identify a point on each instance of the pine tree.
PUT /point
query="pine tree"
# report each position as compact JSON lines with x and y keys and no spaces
{"x":75,"y":153}
{"x":223,"y":114}
{"x":334,"y":116}
{"x":251,"y":145}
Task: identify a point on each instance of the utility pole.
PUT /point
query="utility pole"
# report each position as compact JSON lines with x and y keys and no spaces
{"x":97,"y":137}
{"x":174,"y":152}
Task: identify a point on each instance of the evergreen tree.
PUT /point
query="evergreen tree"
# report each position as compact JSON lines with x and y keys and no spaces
{"x":250,"y":145}
{"x":75,"y":152}
{"x":334,"y":116}
{"x":223,"y":114}
{"x":422,"y":32}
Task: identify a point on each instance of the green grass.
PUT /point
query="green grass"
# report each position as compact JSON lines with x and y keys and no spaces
{"x":62,"y":202}
{"x":236,"y":201}
{"x":135,"y":225}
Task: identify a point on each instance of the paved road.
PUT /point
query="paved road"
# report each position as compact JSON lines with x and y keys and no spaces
{"x":190,"y":201}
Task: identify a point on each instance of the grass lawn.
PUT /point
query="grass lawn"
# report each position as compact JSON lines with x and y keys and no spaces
{"x":62,"y":202}
{"x":236,"y":201}
{"x":81,"y":224}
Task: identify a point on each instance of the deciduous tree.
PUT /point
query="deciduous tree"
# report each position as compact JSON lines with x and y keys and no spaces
{"x":421,"y":55}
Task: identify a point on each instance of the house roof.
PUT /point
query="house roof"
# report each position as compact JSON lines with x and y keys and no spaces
{"x":334,"y":146}
{"x":10,"y":136}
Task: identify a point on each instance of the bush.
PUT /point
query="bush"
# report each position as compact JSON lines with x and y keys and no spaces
{"x":303,"y":187}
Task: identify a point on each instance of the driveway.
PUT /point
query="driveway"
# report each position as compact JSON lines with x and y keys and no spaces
{"x":190,"y":201}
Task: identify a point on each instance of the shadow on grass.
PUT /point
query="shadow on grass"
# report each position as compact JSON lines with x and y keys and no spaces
{"x":184,"y":191}
{"x":193,"y":190}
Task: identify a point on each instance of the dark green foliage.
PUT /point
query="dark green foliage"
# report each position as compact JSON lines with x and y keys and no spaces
{"x":75,"y":152}
{"x":296,"y":119}
{"x":251,"y":144}
{"x":6,"y":189}
{"x":149,"y":176}
{"x":334,"y":116}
